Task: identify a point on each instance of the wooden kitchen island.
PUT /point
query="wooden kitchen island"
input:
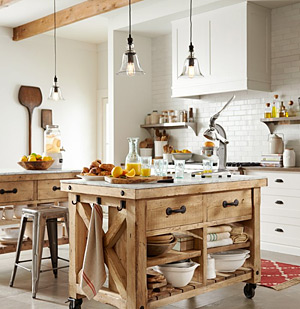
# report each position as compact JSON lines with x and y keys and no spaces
{"x":137,"y":211}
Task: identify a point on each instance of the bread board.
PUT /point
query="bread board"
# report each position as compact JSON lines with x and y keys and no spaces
{"x":136,"y":179}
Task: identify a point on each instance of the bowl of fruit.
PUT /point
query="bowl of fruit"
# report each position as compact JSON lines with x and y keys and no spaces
{"x":36,"y":162}
{"x":184,"y":154}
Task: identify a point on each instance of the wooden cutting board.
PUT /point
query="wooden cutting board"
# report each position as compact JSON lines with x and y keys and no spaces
{"x":136,"y":179}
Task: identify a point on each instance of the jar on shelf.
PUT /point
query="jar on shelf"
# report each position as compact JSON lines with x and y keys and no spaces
{"x":133,"y":159}
{"x":154,"y":117}
{"x":191,"y":115}
{"x":289,"y":157}
{"x":148,"y":119}
{"x":185,"y":116}
{"x":52,"y":139}
{"x":268,"y":111}
{"x":170,"y":115}
{"x":181,"y":113}
{"x":161,"y":119}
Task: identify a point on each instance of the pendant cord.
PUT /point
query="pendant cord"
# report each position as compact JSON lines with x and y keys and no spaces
{"x":54,"y":37}
{"x":129,"y":9}
{"x":191,"y":24}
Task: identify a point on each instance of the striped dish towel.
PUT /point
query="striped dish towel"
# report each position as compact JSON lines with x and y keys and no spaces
{"x":93,"y":273}
{"x":217,"y":236}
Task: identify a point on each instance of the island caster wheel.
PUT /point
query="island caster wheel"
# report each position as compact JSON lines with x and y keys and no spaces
{"x":249,"y":290}
{"x":74,"y":303}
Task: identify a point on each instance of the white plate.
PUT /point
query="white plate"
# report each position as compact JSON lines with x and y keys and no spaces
{"x":9,"y":241}
{"x":91,"y":178}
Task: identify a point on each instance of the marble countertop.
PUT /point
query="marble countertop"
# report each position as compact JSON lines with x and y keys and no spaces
{"x":178,"y":182}
{"x":278,"y":169}
{"x":21,"y":171}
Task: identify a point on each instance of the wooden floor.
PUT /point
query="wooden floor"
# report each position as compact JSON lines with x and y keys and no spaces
{"x":54,"y":292}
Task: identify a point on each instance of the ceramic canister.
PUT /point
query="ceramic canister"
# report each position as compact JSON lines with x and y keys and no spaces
{"x":211,"y":271}
{"x":289,"y":157}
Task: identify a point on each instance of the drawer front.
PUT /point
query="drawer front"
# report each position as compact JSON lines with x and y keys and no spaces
{"x":280,"y":234}
{"x":16,"y":191}
{"x":191,"y":211}
{"x":279,"y":180}
{"x":280,"y":191}
{"x":50,"y":189}
{"x":281,"y":206}
{"x":218,"y":207}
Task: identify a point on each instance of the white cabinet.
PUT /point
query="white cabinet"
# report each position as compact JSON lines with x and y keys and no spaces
{"x":232,"y":45}
{"x":280,"y":212}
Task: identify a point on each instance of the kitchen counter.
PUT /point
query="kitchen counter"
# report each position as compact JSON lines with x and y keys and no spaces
{"x":271,"y":169}
{"x":137,"y":211}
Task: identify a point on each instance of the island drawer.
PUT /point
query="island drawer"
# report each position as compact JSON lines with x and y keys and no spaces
{"x":16,"y":191}
{"x":48,"y":189}
{"x":171,"y":212}
{"x":231,"y":204}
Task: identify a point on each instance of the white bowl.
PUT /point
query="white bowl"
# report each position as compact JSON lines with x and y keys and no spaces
{"x":182,"y":156}
{"x":230,"y":262}
{"x":18,"y":210}
{"x":12,"y":232}
{"x":178,"y":276}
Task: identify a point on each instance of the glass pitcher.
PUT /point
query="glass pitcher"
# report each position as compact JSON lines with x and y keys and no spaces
{"x":133,"y":160}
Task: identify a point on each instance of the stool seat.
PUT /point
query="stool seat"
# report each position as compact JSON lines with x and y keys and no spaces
{"x":41,"y":216}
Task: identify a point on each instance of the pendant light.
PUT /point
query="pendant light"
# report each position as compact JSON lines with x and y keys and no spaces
{"x":55,"y":92}
{"x":191,"y":67}
{"x":130,"y":62}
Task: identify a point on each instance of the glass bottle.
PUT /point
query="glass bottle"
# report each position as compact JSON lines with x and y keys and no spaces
{"x":281,"y":110}
{"x":268,"y":110}
{"x":277,"y":105}
{"x":133,"y":160}
{"x":291,"y":109}
{"x":273,"y":112}
{"x":52,"y":139}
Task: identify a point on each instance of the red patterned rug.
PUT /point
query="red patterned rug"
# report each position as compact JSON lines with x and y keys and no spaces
{"x":279,"y":276}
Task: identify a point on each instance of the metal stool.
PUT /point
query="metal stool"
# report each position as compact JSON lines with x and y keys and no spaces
{"x":40,"y":216}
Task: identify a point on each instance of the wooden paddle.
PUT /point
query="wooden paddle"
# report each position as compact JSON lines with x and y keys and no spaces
{"x":30,"y":97}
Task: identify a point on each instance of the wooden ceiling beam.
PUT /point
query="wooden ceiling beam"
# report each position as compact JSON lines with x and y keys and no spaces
{"x":67,"y":16}
{"x":6,"y":3}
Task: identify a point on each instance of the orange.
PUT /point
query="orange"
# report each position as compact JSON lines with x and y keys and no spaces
{"x":117,"y":171}
{"x":124,"y":172}
{"x":209,"y":144}
{"x":131,"y":173}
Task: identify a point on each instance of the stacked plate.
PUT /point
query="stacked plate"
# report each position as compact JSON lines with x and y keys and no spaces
{"x":230,"y":261}
{"x":158,"y":245}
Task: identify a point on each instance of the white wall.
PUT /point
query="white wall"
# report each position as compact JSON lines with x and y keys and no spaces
{"x":131,"y":96}
{"x":241,"y":120}
{"x":30,"y":62}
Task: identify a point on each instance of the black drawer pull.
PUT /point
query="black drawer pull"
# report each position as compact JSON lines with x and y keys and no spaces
{"x":279,"y":230}
{"x":170,"y":211}
{"x":279,"y":202}
{"x":279,"y":180}
{"x":14,"y":191}
{"x":55,"y":188}
{"x":226,"y":204}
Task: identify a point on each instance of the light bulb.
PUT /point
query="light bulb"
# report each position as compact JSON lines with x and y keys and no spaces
{"x":130,"y":70}
{"x":55,"y":96}
{"x":191,"y":71}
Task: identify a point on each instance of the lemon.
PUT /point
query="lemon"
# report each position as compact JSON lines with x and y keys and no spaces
{"x":31,"y":158}
{"x":117,"y":171}
{"x":45,"y":158}
{"x":131,"y":173}
{"x":24,"y":159}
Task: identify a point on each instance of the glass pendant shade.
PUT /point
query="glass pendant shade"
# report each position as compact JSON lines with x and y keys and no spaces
{"x":130,"y":63}
{"x":55,"y":92}
{"x":191,"y":67}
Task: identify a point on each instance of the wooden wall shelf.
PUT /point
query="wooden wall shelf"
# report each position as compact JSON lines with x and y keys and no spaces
{"x":272,"y":122}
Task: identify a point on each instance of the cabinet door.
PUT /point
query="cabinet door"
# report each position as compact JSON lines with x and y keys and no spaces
{"x":228,"y":43}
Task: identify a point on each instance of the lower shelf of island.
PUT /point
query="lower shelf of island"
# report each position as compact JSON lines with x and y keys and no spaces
{"x":27,"y":245}
{"x":172,"y":295}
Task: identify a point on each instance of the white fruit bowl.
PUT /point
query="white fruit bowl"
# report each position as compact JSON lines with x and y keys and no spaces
{"x":178,"y":276}
{"x":182,"y":156}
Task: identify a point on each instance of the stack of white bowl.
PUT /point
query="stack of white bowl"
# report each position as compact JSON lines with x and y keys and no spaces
{"x":178,"y":274}
{"x":230,"y":261}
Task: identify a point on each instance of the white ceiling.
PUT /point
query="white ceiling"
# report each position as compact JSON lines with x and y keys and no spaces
{"x":94,"y":29}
